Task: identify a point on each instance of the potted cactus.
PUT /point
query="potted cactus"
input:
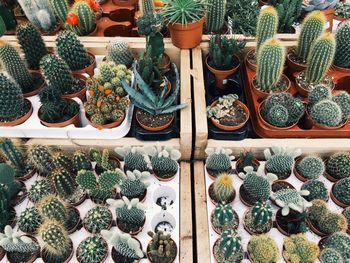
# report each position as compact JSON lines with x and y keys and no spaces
{"x":330,"y":255}
{"x":215,"y":17}
{"x":309,"y":168}
{"x":342,"y":12}
{"x":162,"y":248}
{"x":81,"y":161}
{"x":132,"y":184}
{"x":30,"y":220}
{"x":246,"y":158}
{"x":342,"y":55}
{"x":228,"y":113}
{"x":119,"y":52}
{"x":97,"y":219}
{"x":222,"y":189}
{"x":256,"y":186}
{"x":60,"y":160}
{"x":19,"y":249}
{"x":222,"y":60}
{"x":218,"y":161}
{"x":93,"y":249}
{"x":258,"y":218}
{"x":228,"y":248}
{"x":340,"y":192}
{"x":281,"y":111}
{"x":40,"y":157}
{"x":16,"y":191}
{"x":298,"y":248}
{"x":39,"y":189}
{"x":317,"y":190}
{"x":104,"y":162}
{"x":223,"y":217}
{"x":326,"y":7}
{"x":135,"y":158}
{"x":262,"y":249}
{"x":338,"y":166}
{"x":339,"y":243}
{"x":346,"y":213}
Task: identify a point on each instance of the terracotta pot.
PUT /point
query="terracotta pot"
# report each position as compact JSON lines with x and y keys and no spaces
{"x":75,"y":120}
{"x":106,"y":126}
{"x":103,"y":259}
{"x":19,"y":120}
{"x":27,"y":176}
{"x":315,"y":229}
{"x":80,"y":201}
{"x":188,"y":36}
{"x":2,"y":253}
{"x":329,"y":13}
{"x":338,"y":18}
{"x":304,"y":92}
{"x":88,"y":70}
{"x":149,"y":257}
{"x":213,"y":175}
{"x":31,"y":259}
{"x":221,"y":75}
{"x":20,"y":198}
{"x":293,"y":66}
{"x":164,"y":179}
{"x":255,"y":163}
{"x":262,"y":3}
{"x":335,"y":200}
{"x":67,"y":260}
{"x":154,"y":129}
{"x":255,"y":233}
{"x":284,"y":183}
{"x":39,"y":85}
{"x":78,"y":224}
{"x":132,"y":233}
{"x":264,"y":95}
{"x":230,"y":128}
{"x":248,"y":63}
{"x":81,"y":94}
{"x":296,"y":173}
{"x":210,"y":193}
{"x":217,"y":231}
{"x":125,"y":2}
{"x":341,"y":69}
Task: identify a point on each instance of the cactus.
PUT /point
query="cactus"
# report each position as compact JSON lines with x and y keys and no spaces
{"x":229,"y":247}
{"x":30,"y":220}
{"x":7,"y":179}
{"x":291,"y":199}
{"x":297,"y":248}
{"x":320,"y":58}
{"x":162,"y":249}
{"x":2,"y":27}
{"x":342,"y":98}
{"x":266,"y":27}
{"x":223,"y":188}
{"x":40,"y":189}
{"x":280,"y":160}
{"x":346,"y":213}
{"x":5,"y":213}
{"x":326,"y":113}
{"x":216,"y":15}
{"x":342,"y":53}
{"x":312,"y":27}
{"x":263,"y":249}
{"x":101,"y":158}
{"x":319,"y":93}
{"x":15,"y":154}
{"x":330,"y":255}
{"x":218,"y":160}
{"x":52,"y":208}
{"x":41,"y":158}
{"x":270,"y":62}
{"x":60,"y":8}
{"x":92,"y":250}
{"x":72,"y":51}
{"x":132,"y":184}
{"x":97,"y":219}
{"x":311,"y":167}
{"x":118,"y":51}
{"x":338,"y":165}
{"x":12,"y":242}
{"x":146,"y":7}
{"x":85,"y":19}
{"x":32,"y":44}
{"x":224,"y":217}
{"x":81,"y":161}
{"x":341,"y":191}
{"x":61,"y":160}
{"x":340,"y":242}
{"x":261,"y":213}
{"x":135,"y":158}
{"x":317,"y":190}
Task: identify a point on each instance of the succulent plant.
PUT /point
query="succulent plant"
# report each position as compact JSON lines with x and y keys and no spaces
{"x":223,"y":188}
{"x":40,"y":189}
{"x":346,"y":213}
{"x":317,"y":190}
{"x":280,"y":160}
{"x":61,"y":160}
{"x":30,"y":220}
{"x":319,"y":93}
{"x":291,"y":199}
{"x":267,"y":25}
{"x":327,"y":113}
{"x":135,"y":158}
{"x":219,"y":160}
{"x":97,"y":219}
{"x":81,"y":161}
{"x":338,"y":165}
{"x":11,"y":241}
{"x":41,"y":158}
{"x":330,"y":255}
{"x":342,"y":54}
{"x":342,"y":98}
{"x":60,"y":8}
{"x":161,"y":248}
{"x":81,"y":19}
{"x":297,"y":248}
{"x":263,"y":249}
{"x":92,"y":250}
{"x":229,"y":247}
{"x":311,"y":167}
{"x":118,"y":51}
{"x":247,"y":159}
{"x":8,"y":181}
{"x":341,"y":190}
{"x":224,"y":217}
{"x":261,"y":213}
{"x":216,"y":15}
{"x":340,"y":242}
{"x":101,"y":158}
{"x":132,"y":184}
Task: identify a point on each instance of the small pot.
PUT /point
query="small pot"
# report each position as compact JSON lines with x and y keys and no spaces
{"x":279,"y":226}
{"x":167,"y":179}
{"x":32,"y":257}
{"x":40,"y":84}
{"x":89,"y":69}
{"x":67,"y":260}
{"x":149,"y":257}
{"x":294,"y":66}
{"x":116,"y":164}
{"x":296,"y":173}
{"x":187,"y":36}
{"x":212,"y":197}
{"x":301,"y":90}
{"x":117,"y":260}
{"x":249,"y":64}
{"x":20,"y":198}
{"x":132,"y":233}
{"x":221,"y":75}
{"x":213,"y":175}
{"x":19,"y":120}
{"x":154,"y":129}
{"x":106,"y":126}
{"x":75,"y":120}
{"x":81,"y":94}
{"x":27,"y":176}
{"x":217,"y":231}
{"x":315,"y":229}
{"x":264,"y":95}
{"x":230,"y":128}
{"x":78,"y":202}
{"x":255,"y":233}
{"x":239,"y":162}
{"x":78,"y":224}
{"x":103,"y":259}
{"x":335,"y":200}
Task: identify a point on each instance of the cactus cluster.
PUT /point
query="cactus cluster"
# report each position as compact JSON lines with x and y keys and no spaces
{"x":12,"y":242}
{"x":60,"y":8}
{"x":311,"y":167}
{"x":338,"y":165}
{"x":135,"y":158}
{"x":81,"y":161}
{"x":228,"y":248}
{"x":341,"y":191}
{"x":342,"y":54}
{"x":291,"y":199}
{"x":318,"y":93}
{"x":263,"y":249}
{"x":218,"y":160}
{"x":224,"y":217}
{"x":215,"y":17}
{"x":317,"y":190}
{"x":81,"y":18}
{"x":161,"y":249}
{"x":101,"y":158}
{"x":97,"y":219}
{"x":330,"y":255}
{"x":340,"y":242}
{"x":326,"y":113}
{"x":282,"y":109}
{"x":92,"y":250}
{"x":118,"y":52}
{"x":30,"y":220}
{"x":280,"y":160}
{"x":342,"y":98}
{"x":297,"y":248}
{"x":5,"y":213}
{"x":223,"y":188}
{"x":132,"y":184}
{"x":40,"y":189}
{"x":266,"y":27}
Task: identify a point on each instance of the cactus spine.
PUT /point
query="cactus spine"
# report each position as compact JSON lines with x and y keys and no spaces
{"x":216,"y":15}
{"x":267,"y":25}
{"x":327,"y":113}
{"x":30,"y":220}
{"x":229,"y":244}
{"x":41,"y":159}
{"x":52,"y":208}
{"x":146,"y":7}
{"x":60,"y":7}
{"x":342,"y":54}
{"x":261,"y":213}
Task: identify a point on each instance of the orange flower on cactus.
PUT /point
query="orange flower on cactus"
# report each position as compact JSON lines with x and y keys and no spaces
{"x":72,"y":19}
{"x":93,"y":5}
{"x":108,"y":91}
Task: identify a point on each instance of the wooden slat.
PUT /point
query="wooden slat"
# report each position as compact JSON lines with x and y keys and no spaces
{"x":252,"y":39}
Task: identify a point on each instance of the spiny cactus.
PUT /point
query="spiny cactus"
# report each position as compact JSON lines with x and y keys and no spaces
{"x":101,"y":158}
{"x":311,"y":167}
{"x":263,"y":249}
{"x":330,"y":255}
{"x":297,"y":248}
{"x":223,"y":188}
{"x":32,"y":44}
{"x":342,"y":54}
{"x":326,"y":113}
{"x":135,"y":158}
{"x":291,"y":199}
{"x":11,"y":241}
{"x":61,"y":160}
{"x":15,"y":153}
{"x":341,"y":190}
{"x":346,"y":213}
{"x":41,"y":158}
{"x":40,"y":189}
{"x":81,"y":19}
{"x":340,"y":242}
{"x":320,"y":58}
{"x":8,"y":181}
{"x":81,"y":161}
{"x":97,"y":219}
{"x":2,"y":26}
{"x":261,"y":213}
{"x":267,"y":25}
{"x":338,"y":165}
{"x":229,"y":248}
{"x":317,"y":190}
{"x":60,"y":8}
{"x":319,"y":93}
{"x":342,"y":98}
{"x":52,"y":208}
{"x":146,"y":7}
{"x":118,"y":51}
{"x":30,"y":220}
{"x":312,"y":27}
{"x":224,"y":217}
{"x":216,"y":15}
{"x":218,"y":160}
{"x":72,"y":51}
{"x":161,"y":248}
{"x":5,"y":213}
{"x":280,"y":160}
{"x":133,"y":185}
{"x":270,"y":62}
{"x":92,"y":250}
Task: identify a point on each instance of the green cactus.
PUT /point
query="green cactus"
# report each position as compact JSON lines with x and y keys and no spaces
{"x":342,"y":98}
{"x":63,"y":182}
{"x":101,"y":158}
{"x":317,"y":190}
{"x":261,"y":213}
{"x":280,"y":160}
{"x":223,"y":188}
{"x":40,"y":189}
{"x":229,"y":248}
{"x":81,"y":161}
{"x":5,"y":213}
{"x":311,"y":167}
{"x":326,"y":113}
{"x":133,"y":185}
{"x":342,"y":54}
{"x":30,"y":220}
{"x":15,"y":67}
{"x":346,"y":213}
{"x":7,"y":179}
{"x":118,"y":51}
{"x":319,"y":93}
{"x":297,"y":248}
{"x":270,"y":63}
{"x":2,"y":27}
{"x":340,"y":242}
{"x":52,"y":208}
{"x":86,"y":19}
{"x":72,"y":51}
{"x":41,"y":158}
{"x":60,"y":8}
{"x":312,"y":27}
{"x":92,"y":250}
{"x":267,"y":25}
{"x":162,"y":249}
{"x":341,"y":190}
{"x":224,"y":217}
{"x":320,"y":58}
{"x":97,"y":219}
{"x":218,"y":160}
{"x":135,"y":158}
{"x":216,"y":15}
{"x":330,"y":255}
{"x":60,"y":160}
{"x":289,"y":198}
{"x":278,"y":116}
{"x":338,"y":165}
{"x":263,"y":249}
{"x":15,"y":153}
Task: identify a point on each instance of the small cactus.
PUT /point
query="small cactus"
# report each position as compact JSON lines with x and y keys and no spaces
{"x":340,"y":242}
{"x":341,"y":191}
{"x":83,"y":20}
{"x":81,"y":161}
{"x":61,"y":160}
{"x":338,"y":165}
{"x":162,"y":249}
{"x":101,"y":158}
{"x":60,"y":8}
{"x":92,"y":250}
{"x":40,"y":189}
{"x":132,"y":184}
{"x":297,"y":248}
{"x":97,"y":219}
{"x":16,"y":154}
{"x":326,"y":113}
{"x":311,"y":167}
{"x":261,"y":213}
{"x":52,"y":208}
{"x":229,"y":247}
{"x":263,"y":249}
{"x":219,"y":160}
{"x":267,"y":25}
{"x":118,"y":51}
{"x":30,"y":220}
{"x":317,"y":190}
{"x":41,"y":158}
{"x":342,"y":98}
{"x":330,"y":255}
{"x":342,"y":54}
{"x":224,"y":217}
{"x":135,"y":158}
{"x":215,"y":18}
{"x":319,"y":93}
{"x":291,"y":199}
{"x":223,"y":189}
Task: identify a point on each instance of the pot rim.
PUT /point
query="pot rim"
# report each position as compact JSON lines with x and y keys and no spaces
{"x":20,"y":120}
{"x":154,"y":129}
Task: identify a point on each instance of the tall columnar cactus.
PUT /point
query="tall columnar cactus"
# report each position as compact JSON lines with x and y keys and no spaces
{"x":135,"y":158}
{"x":81,"y":161}
{"x":326,"y":113}
{"x":15,"y":67}
{"x":30,"y":220}
{"x":52,"y":208}
{"x":40,"y":189}
{"x":118,"y":51}
{"x":223,"y":188}
{"x":330,"y":255}
{"x":270,"y":62}
{"x":32,"y":44}
{"x":261,"y":213}
{"x":92,"y":250}
{"x":84,"y":21}
{"x":72,"y":51}
{"x":41,"y":158}
{"x":216,"y":15}
{"x":61,"y":160}
{"x":219,"y":160}
{"x":263,"y":249}
{"x":60,"y":8}
{"x":338,"y":165}
{"x":342,"y":98}
{"x":229,"y":243}
{"x":342,"y":54}
{"x":146,"y":6}
{"x":318,"y":93}
{"x":15,"y":154}
{"x":298,"y":248}
{"x":267,"y":25}
{"x":320,"y":58}
{"x":57,"y":73}
{"x":341,"y":191}
{"x":311,"y":167}
{"x":101,"y":158}
{"x":11,"y":241}
{"x":97,"y":219}
{"x":63,"y":182}
{"x":312,"y":27}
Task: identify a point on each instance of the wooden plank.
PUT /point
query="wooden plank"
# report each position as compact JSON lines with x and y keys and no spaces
{"x":202,"y":229}
{"x":252,"y":39}
{"x":186,"y":245}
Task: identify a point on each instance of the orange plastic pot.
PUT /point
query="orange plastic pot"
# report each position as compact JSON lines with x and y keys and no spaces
{"x":19,"y":120}
{"x":39,"y":85}
{"x":81,"y":94}
{"x":250,"y":65}
{"x":89,"y":69}
{"x":107,"y":126}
